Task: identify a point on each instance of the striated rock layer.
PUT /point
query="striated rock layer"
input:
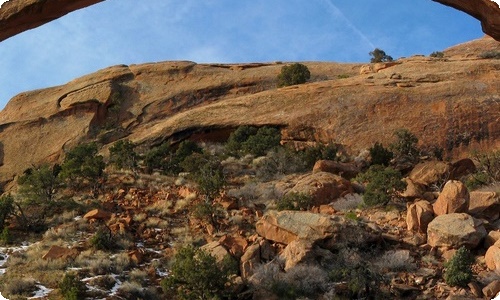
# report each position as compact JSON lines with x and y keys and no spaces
{"x":17,"y":16}
{"x":453,"y":103}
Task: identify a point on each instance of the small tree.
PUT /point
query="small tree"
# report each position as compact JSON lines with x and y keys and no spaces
{"x":381,"y":184}
{"x":294,"y":201}
{"x":206,"y":171}
{"x":379,"y":56}
{"x":83,"y":165}
{"x":380,"y":155}
{"x":195,"y":274}
{"x":72,"y":288}
{"x":293,"y":74}
{"x":155,"y":158}
{"x":123,"y":156}
{"x":6,"y":208}
{"x":458,"y":270}
{"x":405,"y":144}
{"x":253,"y":140}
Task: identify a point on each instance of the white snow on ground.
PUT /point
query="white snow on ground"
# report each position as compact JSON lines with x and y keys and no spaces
{"x":42,"y":292}
{"x":2,"y":297}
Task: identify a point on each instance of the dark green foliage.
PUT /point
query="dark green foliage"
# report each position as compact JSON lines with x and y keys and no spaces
{"x":38,"y":186}
{"x":156,"y":158}
{"x":253,"y":140}
{"x":405,"y":144}
{"x":361,"y":281}
{"x":458,"y":270}
{"x":206,"y":170}
{"x":488,"y":169}
{"x":6,"y":236}
{"x":380,"y":155}
{"x":293,"y":74}
{"x":437,"y":54}
{"x":195,"y":274}
{"x":72,"y":288}
{"x":319,"y":152}
{"x":6,"y":208}
{"x":379,"y":56}
{"x":123,"y":156}
{"x":381,"y":184}
{"x":204,"y":211}
{"x":294,"y":201}
{"x":83,"y":166}
{"x":103,"y":239}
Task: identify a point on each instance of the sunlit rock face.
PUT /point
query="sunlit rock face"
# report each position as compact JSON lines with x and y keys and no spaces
{"x":486,"y":11}
{"x":17,"y":16}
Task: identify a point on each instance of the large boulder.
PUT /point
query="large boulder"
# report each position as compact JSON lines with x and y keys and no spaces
{"x":419,"y":215}
{"x":257,"y":253}
{"x":429,"y":172}
{"x":323,"y":187}
{"x":492,"y":257}
{"x":97,"y":214}
{"x":484,"y":205}
{"x":303,"y":252}
{"x":345,"y":170}
{"x":413,"y":190}
{"x":216,"y":250}
{"x":286,"y":226}
{"x":453,"y":199}
{"x":455,"y":230}
{"x":462,"y":168}
{"x":58,"y":252}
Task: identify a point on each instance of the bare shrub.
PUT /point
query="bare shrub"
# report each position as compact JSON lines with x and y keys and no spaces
{"x":348,"y":202}
{"x":22,"y":287}
{"x":395,"y":260}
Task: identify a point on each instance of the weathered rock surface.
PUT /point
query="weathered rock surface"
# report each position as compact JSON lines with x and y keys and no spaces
{"x":57,"y":252}
{"x":419,"y":215}
{"x":323,"y":187}
{"x":151,"y":103}
{"x":97,"y":214}
{"x":455,"y":230}
{"x":17,"y":16}
{"x":429,"y":172}
{"x":286,"y":226}
{"x":485,"y":11}
{"x":454,"y":198}
{"x":485,"y":205}
{"x":492,"y":289}
{"x":492,"y":257}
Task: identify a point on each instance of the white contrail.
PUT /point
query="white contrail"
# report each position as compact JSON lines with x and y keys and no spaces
{"x":338,"y":13}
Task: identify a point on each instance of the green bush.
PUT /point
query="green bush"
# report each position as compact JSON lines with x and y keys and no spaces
{"x":380,"y":155}
{"x":378,"y":55}
{"x":168,"y":161}
{"x":39,"y":185}
{"x":382,"y":183}
{"x":123,"y":156}
{"x":437,"y":54}
{"x":102,"y":239}
{"x":195,"y":274}
{"x":488,"y":169}
{"x":206,"y":170}
{"x":293,"y":74}
{"x":319,"y":152}
{"x":294,"y":201}
{"x":253,"y":140}
{"x":155,"y":158}
{"x":83,"y":166}
{"x":493,"y":54}
{"x":6,"y":208}
{"x":72,"y":288}
{"x":458,"y":270}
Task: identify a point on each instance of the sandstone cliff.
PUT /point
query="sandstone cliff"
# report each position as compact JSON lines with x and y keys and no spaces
{"x":453,"y":103}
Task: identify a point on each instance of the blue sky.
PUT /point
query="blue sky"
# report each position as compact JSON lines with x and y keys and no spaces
{"x":132,"y":32}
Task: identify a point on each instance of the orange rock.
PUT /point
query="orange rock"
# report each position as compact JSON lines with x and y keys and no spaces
{"x":485,"y":205}
{"x":56,"y":252}
{"x":235,"y":244}
{"x":97,"y":214}
{"x":345,"y":170}
{"x":137,"y":256}
{"x":453,"y":199}
{"x":419,"y":215}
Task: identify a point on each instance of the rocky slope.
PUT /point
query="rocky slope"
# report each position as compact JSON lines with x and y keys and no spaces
{"x":452,"y":103}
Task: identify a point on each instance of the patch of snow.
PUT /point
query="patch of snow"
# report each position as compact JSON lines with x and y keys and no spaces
{"x":42,"y":292}
{"x":2,"y":297}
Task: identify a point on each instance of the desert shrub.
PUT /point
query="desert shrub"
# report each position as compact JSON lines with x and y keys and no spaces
{"x":381,"y":184}
{"x":206,"y":170}
{"x":136,"y":291}
{"x":311,"y":155}
{"x":6,"y":208}
{"x":279,"y":162}
{"x":293,"y":74}
{"x":294,"y":201}
{"x":253,"y":140}
{"x":492,"y":54}
{"x":378,"y":55}
{"x":123,"y":156}
{"x":395,"y":261}
{"x":82,"y":165}
{"x":102,"y":239}
{"x":155,"y":158}
{"x":343,"y":76}
{"x":437,"y":54}
{"x":6,"y":236}
{"x":406,"y":144}
{"x":348,"y":202}
{"x":458,"y":270}
{"x":19,"y":287}
{"x":72,"y":288}
{"x":488,"y":169}
{"x":380,"y":155}
{"x":195,"y":274}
